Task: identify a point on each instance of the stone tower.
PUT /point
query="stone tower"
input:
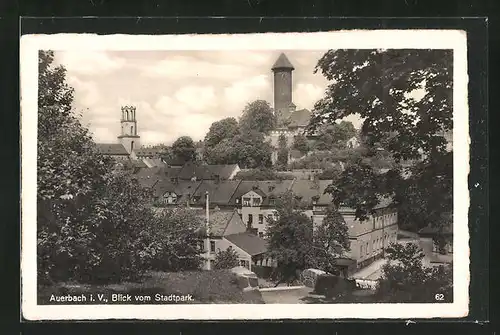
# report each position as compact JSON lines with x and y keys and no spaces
{"x":129,"y":138}
{"x":283,"y":104}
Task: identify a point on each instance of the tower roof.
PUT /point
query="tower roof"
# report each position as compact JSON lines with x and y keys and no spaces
{"x":282,"y":63}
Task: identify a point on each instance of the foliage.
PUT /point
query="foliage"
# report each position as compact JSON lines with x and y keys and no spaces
{"x":333,"y":286}
{"x":382,"y":87}
{"x":184,"y":148}
{"x":282,"y":161}
{"x":258,"y":116}
{"x":226,"y":259}
{"x":300,"y":143}
{"x":331,"y":240}
{"x":261,"y":174}
{"x":331,"y":173}
{"x":335,"y":136}
{"x":94,"y":223}
{"x":176,"y":240}
{"x":406,"y":279}
{"x":247,"y":149}
{"x":290,"y":239}
{"x":220,"y":130}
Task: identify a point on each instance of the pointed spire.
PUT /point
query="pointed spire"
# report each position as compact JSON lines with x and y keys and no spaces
{"x":282,"y":63}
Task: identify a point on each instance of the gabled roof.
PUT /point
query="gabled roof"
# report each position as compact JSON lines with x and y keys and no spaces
{"x":282,"y":63}
{"x":307,"y":189}
{"x":112,"y":149}
{"x":153,"y":162}
{"x":184,"y":189}
{"x":175,"y":162}
{"x":219,"y":193}
{"x":270,"y":188}
{"x":206,"y":172}
{"x":218,"y":220}
{"x":250,"y":243}
{"x":299,"y":118}
{"x":190,"y":170}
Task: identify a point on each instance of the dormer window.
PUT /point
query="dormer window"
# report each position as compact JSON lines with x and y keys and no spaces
{"x":271,"y":188}
{"x":246,"y":202}
{"x":256,"y":201}
{"x":237,"y":200}
{"x":272,"y":201}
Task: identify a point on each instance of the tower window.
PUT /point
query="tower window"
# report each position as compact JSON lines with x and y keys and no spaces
{"x":132,"y":130}
{"x":132,"y":146}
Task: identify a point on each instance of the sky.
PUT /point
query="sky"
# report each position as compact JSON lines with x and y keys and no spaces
{"x":179,"y":93}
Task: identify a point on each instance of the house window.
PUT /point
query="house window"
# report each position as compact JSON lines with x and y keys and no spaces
{"x":271,"y":188}
{"x":261,"y":234}
{"x":272,"y":202}
{"x":237,"y":200}
{"x":256,"y":202}
{"x":246,"y":201}
{"x":361,"y":251}
{"x":261,"y":218}
{"x":250,"y":218}
{"x":212,"y":246}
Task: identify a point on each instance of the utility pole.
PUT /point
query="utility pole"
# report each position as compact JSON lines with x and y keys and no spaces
{"x":207,"y":229}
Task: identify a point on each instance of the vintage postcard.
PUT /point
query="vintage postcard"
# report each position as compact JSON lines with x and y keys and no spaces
{"x":201,"y":177}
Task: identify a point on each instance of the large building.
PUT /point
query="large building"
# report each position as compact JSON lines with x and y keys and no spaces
{"x":289,"y":120}
{"x":255,"y":203}
{"x":128,"y":140}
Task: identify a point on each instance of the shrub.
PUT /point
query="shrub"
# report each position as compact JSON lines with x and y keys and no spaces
{"x":333,"y":286}
{"x":226,"y":259}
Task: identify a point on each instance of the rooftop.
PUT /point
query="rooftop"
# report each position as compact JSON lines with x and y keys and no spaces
{"x":112,"y":149}
{"x":299,"y":118}
{"x":218,"y":220}
{"x":250,"y":243}
{"x":282,"y":63}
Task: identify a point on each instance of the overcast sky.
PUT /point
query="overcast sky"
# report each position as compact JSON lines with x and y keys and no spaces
{"x":179,"y":93}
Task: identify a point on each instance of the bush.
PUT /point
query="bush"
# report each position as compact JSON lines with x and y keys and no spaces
{"x":333,"y":286}
{"x":226,"y":259}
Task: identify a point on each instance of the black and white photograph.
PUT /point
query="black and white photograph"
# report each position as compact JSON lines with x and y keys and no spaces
{"x":216,"y":176}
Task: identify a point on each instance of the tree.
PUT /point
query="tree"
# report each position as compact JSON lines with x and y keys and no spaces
{"x":220,"y":130}
{"x":258,"y":116}
{"x":184,"y":148}
{"x":247,"y":149}
{"x":300,"y":143}
{"x":331,"y":173}
{"x":334,"y":136}
{"x":94,"y":223}
{"x":226,"y":259}
{"x":282,"y":161}
{"x":406,"y":279}
{"x":381,"y":86}
{"x":331,"y":240}
{"x":176,"y":239}
{"x":290,"y":239}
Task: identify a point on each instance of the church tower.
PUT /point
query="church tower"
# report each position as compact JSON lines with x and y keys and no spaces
{"x":129,"y":138}
{"x":283,"y":104}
